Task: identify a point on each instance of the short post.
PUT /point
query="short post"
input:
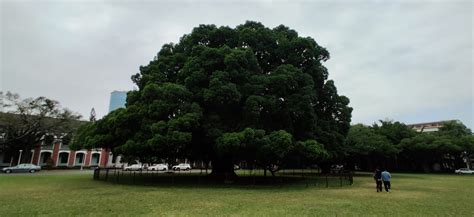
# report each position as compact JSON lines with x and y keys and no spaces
{"x":19,"y":158}
{"x":172,"y":178}
{"x":327,"y":184}
{"x":95,"y":174}
{"x":106,"y":174}
{"x":253,"y":175}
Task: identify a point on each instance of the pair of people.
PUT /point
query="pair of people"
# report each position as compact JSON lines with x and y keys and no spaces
{"x":382,"y":176}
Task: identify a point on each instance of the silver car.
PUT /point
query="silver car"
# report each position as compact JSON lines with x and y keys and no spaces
{"x":133,"y":167}
{"x":181,"y":166}
{"x":31,"y":168}
{"x":158,"y":167}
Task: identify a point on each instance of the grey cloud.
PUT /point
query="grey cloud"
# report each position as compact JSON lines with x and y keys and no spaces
{"x":392,"y":60}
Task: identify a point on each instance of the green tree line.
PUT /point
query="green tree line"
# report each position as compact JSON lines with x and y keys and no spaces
{"x":398,"y":147}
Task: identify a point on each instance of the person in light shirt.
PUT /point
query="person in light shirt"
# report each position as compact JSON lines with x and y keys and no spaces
{"x":386,"y":180}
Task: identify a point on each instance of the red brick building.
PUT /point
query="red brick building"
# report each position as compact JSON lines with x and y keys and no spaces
{"x":59,"y":155}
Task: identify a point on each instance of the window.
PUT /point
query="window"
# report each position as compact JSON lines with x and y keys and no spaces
{"x":95,"y":159}
{"x":45,"y":156}
{"x":63,"y":157}
{"x":79,"y":158}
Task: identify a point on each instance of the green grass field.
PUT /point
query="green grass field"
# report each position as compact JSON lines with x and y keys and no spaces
{"x":77,"y":194}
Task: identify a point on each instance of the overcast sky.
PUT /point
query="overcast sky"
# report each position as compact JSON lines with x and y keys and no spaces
{"x":410,"y":61}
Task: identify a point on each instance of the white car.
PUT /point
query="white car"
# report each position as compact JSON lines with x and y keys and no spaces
{"x":133,"y":167}
{"x":464,"y":171}
{"x":158,"y":167}
{"x":181,"y":167}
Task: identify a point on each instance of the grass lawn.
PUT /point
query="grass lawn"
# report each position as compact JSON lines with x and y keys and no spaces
{"x":77,"y":194}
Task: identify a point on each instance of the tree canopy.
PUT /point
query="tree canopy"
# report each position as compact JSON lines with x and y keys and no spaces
{"x":28,"y":122}
{"x":226,"y":94}
{"x":396,"y":145}
{"x":366,"y":141}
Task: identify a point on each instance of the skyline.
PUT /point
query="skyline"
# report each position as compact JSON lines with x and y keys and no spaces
{"x":404,"y":61}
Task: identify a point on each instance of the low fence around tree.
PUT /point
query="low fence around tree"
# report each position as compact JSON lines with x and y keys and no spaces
{"x":246,"y":177}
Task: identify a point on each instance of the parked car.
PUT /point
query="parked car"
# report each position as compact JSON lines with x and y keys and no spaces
{"x":133,"y":167}
{"x":31,"y":168}
{"x":464,"y":171}
{"x":181,"y":167}
{"x":158,"y":167}
{"x":336,"y":168}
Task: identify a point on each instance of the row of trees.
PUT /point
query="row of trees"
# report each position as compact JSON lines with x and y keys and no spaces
{"x":394,"y":145}
{"x":388,"y":144}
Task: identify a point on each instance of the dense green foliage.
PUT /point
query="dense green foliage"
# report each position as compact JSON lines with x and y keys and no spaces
{"x":363,"y":140}
{"x":29,"y":122}
{"x":229,"y":94}
{"x":394,"y":145}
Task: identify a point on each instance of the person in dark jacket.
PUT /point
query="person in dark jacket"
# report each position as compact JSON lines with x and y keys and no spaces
{"x":378,"y":179}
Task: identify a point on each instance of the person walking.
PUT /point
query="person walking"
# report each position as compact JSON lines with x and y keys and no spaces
{"x":378,"y":179}
{"x":386,"y":176}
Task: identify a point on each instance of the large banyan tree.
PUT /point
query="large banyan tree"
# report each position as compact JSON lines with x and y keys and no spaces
{"x":225,"y":95}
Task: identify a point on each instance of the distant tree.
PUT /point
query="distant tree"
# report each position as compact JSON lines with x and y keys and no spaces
{"x":27,"y":122}
{"x":462,"y":136}
{"x":364,"y":140}
{"x":424,"y":150}
{"x":367,"y":147}
{"x":454,"y":129}
{"x":395,"y":132}
{"x":207,"y":96}
{"x":446,"y":147}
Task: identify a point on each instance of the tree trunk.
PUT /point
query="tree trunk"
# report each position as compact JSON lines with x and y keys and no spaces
{"x":223,"y":169}
{"x":325,"y":167}
{"x":351,"y":165}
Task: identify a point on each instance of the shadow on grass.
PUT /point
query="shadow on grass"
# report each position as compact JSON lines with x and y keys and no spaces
{"x":190,"y":180}
{"x":405,"y":175}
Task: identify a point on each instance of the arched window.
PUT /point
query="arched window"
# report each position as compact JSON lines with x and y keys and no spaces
{"x":44,"y":157}
{"x":79,"y":159}
{"x":95,"y":159}
{"x":63,"y":158}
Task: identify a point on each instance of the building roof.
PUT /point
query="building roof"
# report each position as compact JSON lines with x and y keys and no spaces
{"x":429,"y":126}
{"x":430,"y":123}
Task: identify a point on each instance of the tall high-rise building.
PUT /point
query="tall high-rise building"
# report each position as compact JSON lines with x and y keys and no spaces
{"x":117,"y":100}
